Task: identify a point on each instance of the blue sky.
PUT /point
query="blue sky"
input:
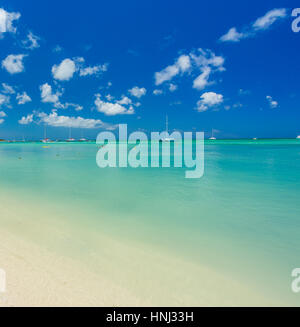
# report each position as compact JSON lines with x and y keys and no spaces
{"x":229,"y":66}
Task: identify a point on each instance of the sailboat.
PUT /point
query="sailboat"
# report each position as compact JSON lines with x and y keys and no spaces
{"x":212,"y":135}
{"x":167,"y":139}
{"x":45,"y":140}
{"x":298,"y":137}
{"x":70,"y":139}
{"x":82,"y":139}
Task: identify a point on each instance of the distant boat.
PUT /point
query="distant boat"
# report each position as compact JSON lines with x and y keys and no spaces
{"x":212,"y":135}
{"x":254,"y":138}
{"x":167,"y":139}
{"x":45,"y":139}
{"x":70,"y":139}
{"x":298,"y":137}
{"x":82,"y":139}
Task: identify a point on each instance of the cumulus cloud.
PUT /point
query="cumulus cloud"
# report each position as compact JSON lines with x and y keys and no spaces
{"x":181,"y":65}
{"x":14,"y":63}
{"x":273,"y":104}
{"x":269,"y":18}
{"x":68,"y":67}
{"x":26,"y":119}
{"x":202,"y":80}
{"x":157,"y":92}
{"x":7,"y":89}
{"x":53,"y":119}
{"x":262,"y":23}
{"x":31,"y":42}
{"x":6,"y":21}
{"x":23,"y":98}
{"x":4,"y":99}
{"x":233,"y":36}
{"x":46,"y":94}
{"x":64,"y":71}
{"x":209,"y":99}
{"x":2,"y":115}
{"x":173,"y":87}
{"x":125,"y":100}
{"x":67,"y":105}
{"x":201,"y":60}
{"x":112,"y":108}
{"x":208,"y":63}
{"x":93,"y":70}
{"x":137,"y":92}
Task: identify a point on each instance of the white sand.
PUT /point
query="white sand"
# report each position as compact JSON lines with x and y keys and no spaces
{"x":45,"y":267}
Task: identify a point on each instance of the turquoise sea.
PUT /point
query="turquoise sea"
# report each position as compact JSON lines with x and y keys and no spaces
{"x":242,"y":218}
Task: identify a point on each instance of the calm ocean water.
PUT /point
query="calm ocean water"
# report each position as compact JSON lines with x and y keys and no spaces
{"x":242,"y":218}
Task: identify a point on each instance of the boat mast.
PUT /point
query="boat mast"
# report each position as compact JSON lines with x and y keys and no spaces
{"x":167,"y":124}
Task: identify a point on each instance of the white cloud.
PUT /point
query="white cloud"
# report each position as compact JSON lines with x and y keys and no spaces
{"x":137,"y":92}
{"x":67,"y":105}
{"x":157,"y":92}
{"x":4,"y":99}
{"x":207,"y":62}
{"x":14,"y":63}
{"x":181,"y":65}
{"x":31,"y":42}
{"x":269,"y":19}
{"x":67,"y":68}
{"x":207,"y":58}
{"x":53,"y":119}
{"x":273,"y":104}
{"x":233,"y":36}
{"x":202,"y":80}
{"x":6,"y":21}
{"x":64,"y":71}
{"x":209,"y":99}
{"x":26,"y":120}
{"x":7,"y":89}
{"x":125,"y":100}
{"x":173,"y":87}
{"x":112,"y":109}
{"x":46,"y":94}
{"x":93,"y":70}
{"x":204,"y":61}
{"x":2,"y":114}
{"x":262,"y":23}
{"x":23,"y":98}
{"x":109,"y":97}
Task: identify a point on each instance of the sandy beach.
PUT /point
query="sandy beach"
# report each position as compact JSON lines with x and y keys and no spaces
{"x":41,"y":274}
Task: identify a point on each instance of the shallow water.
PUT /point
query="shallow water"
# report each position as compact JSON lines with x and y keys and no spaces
{"x":242,"y":218}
